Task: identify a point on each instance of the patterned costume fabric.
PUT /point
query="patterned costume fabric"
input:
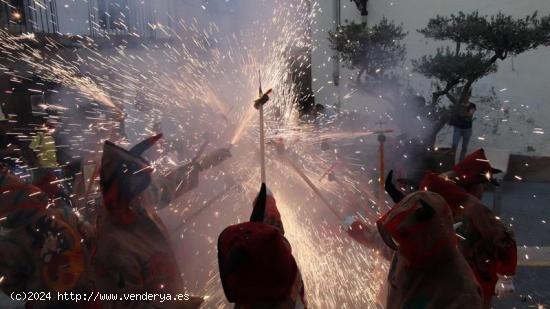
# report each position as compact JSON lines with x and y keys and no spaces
{"x":43,"y":249}
{"x":488,"y":245}
{"x":427,"y":270}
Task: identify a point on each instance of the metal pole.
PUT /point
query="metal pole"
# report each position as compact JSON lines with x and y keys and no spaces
{"x":259,"y":104}
{"x":207,"y":205}
{"x":381,"y":140}
{"x":381,"y":196}
{"x":262,"y":143}
{"x":312,"y":186}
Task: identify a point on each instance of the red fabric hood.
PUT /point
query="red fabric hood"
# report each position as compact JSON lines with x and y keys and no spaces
{"x":474,"y":169}
{"x":123,"y":176}
{"x":420,"y":227}
{"x":256,"y":263}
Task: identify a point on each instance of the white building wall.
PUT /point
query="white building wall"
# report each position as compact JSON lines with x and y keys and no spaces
{"x":323,"y":67}
{"x":521,"y":82}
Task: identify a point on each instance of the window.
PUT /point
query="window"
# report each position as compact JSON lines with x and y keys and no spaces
{"x":114,"y":14}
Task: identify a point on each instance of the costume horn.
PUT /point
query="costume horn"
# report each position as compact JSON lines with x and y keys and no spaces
{"x":140,"y":148}
{"x":425,"y":212}
{"x":395,"y":194}
{"x":258,"y":212}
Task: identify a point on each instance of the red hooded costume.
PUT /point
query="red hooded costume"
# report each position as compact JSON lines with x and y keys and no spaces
{"x":257,"y":268}
{"x":427,"y":270}
{"x":134,"y":253}
{"x":488,"y":245}
{"x":474,"y":171}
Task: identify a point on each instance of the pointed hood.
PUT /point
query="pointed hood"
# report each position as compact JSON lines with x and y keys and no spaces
{"x":265,"y":209}
{"x":141,"y":147}
{"x":124,"y":175}
{"x":255,"y":261}
{"x":475,"y":169}
{"x":258,"y":212}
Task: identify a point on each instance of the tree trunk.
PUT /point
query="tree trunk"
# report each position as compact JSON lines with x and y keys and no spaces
{"x":465,"y":91}
{"x":438,"y":126}
{"x":438,"y":94}
{"x":359,"y":75}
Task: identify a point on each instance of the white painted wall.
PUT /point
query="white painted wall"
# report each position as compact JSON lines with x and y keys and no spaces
{"x":324,"y":20}
{"x":523,"y":80}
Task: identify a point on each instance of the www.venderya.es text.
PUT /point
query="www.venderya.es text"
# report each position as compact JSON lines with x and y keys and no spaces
{"x":97,"y":296}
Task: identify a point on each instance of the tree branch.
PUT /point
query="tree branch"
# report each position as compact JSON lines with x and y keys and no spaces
{"x":494,"y":59}
{"x":465,"y":90}
{"x":451,"y":98}
{"x":450,"y":85}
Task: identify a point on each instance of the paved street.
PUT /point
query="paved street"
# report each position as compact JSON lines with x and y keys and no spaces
{"x":527,"y":207}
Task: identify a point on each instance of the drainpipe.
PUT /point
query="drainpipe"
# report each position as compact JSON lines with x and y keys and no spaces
{"x":336,"y":61}
{"x":364,"y":12}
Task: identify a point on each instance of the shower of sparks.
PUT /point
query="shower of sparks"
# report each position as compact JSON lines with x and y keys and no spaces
{"x":201,"y":79}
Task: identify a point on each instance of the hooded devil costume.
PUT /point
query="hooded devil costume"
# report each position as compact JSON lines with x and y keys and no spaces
{"x":134,"y":254}
{"x":42,"y":249}
{"x":473,"y":173}
{"x":488,"y":245}
{"x":257,"y":268}
{"x":427,"y":270}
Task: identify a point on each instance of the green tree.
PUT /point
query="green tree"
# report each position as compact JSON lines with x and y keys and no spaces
{"x":373,"y":51}
{"x":377,"y":53}
{"x":478,"y":43}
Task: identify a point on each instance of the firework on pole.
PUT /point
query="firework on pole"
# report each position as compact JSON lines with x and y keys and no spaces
{"x":259,"y":105}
